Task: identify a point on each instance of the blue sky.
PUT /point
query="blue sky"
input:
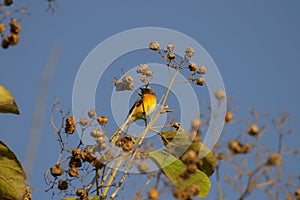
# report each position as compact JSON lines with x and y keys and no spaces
{"x":255,"y":45}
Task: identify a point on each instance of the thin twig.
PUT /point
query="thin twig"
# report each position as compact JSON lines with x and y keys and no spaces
{"x":137,"y":195}
{"x":219,"y":182}
{"x":113,"y":175}
{"x":249,"y":187}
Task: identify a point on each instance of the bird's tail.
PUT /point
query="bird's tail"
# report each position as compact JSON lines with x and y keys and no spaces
{"x":115,"y":136}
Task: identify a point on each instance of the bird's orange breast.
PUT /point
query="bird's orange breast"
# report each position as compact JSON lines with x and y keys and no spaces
{"x":149,"y":103}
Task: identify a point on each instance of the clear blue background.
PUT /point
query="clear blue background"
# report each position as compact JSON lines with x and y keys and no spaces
{"x":255,"y":44}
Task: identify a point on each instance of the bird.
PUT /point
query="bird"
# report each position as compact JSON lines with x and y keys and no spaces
{"x":141,"y":109}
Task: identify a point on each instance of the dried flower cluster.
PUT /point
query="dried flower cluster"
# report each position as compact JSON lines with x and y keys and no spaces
{"x":237,"y":147}
{"x":220,"y":94}
{"x":170,"y":58}
{"x":77,"y":161}
{"x":9,"y":26}
{"x":70,"y":125}
{"x":187,"y":193}
{"x":146,"y":73}
{"x":125,"y":84}
{"x":13,"y":37}
{"x":126,"y":142}
{"x":265,"y":171}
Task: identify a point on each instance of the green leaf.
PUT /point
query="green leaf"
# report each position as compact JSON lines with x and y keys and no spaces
{"x":209,"y":160}
{"x":178,"y":142}
{"x":12,"y":175}
{"x":7,"y":102}
{"x":90,"y":198}
{"x":172,"y":168}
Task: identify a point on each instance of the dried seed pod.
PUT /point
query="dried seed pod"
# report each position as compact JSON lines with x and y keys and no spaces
{"x":142,"y":69}
{"x":200,"y":81}
{"x":73,"y":172}
{"x":228,"y":116}
{"x":154,"y":46}
{"x":15,"y":26}
{"x":195,"y":124}
{"x":246,"y":148}
{"x":235,"y":146}
{"x":56,"y":170}
{"x":127,"y":79}
{"x":202,"y":70}
{"x":181,"y":194}
{"x":274,"y":159}
{"x":70,"y":125}
{"x":121,"y":86}
{"x":193,"y":190}
{"x":28,"y":195}
{"x":193,"y":67}
{"x":177,"y":193}
{"x":153,"y":194}
{"x":2,"y":27}
{"x":128,"y":146}
{"x":220,"y":94}
{"x":76,"y":153}
{"x":126,"y":142}
{"x":83,"y":155}
{"x":5,"y":43}
{"x":185,"y":174}
{"x":75,"y":162}
{"x":149,"y":73}
{"x":92,"y":113}
{"x":144,"y":79}
{"x":176,"y":125}
{"x":221,"y":156}
{"x":192,"y":168}
{"x":297,"y":194}
{"x":97,"y":133}
{"x":170,"y":47}
{"x":70,"y":129}
{"x":70,"y":121}
{"x":196,"y":137}
{"x":63,"y":185}
{"x":189,"y":52}
{"x":89,"y":157}
{"x":98,"y":163}
{"x":101,"y":139}
{"x":253,"y":130}
{"x":189,"y":157}
{"x":102,"y":120}
{"x":143,"y":167}
{"x":171,"y":56}
{"x":119,"y":143}
{"x":82,"y":193}
{"x":84,"y":121}
{"x":8,"y":2}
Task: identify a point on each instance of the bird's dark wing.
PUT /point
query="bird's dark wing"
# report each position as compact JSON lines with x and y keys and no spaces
{"x":137,"y":103}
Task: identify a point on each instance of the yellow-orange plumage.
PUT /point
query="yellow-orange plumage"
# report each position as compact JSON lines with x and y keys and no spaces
{"x":141,"y":109}
{"x":146,"y":104}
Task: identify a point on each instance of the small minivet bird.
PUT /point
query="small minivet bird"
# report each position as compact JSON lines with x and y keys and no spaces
{"x":141,"y":109}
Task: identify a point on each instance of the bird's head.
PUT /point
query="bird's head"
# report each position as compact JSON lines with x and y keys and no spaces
{"x":147,"y":90}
